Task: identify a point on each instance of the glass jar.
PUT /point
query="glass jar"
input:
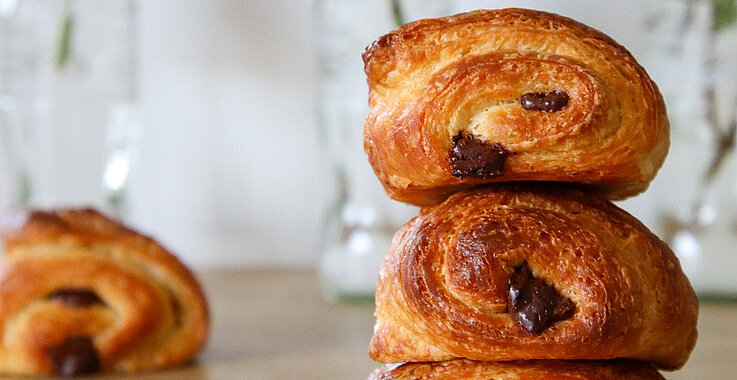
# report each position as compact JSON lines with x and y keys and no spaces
{"x":363,"y":219}
{"x":693,"y":59}
{"x":67,"y":102}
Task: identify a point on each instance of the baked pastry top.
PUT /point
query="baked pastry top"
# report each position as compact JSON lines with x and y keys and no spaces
{"x":509,"y":95}
{"x":529,"y":271}
{"x":522,"y":370}
{"x":80,"y":293}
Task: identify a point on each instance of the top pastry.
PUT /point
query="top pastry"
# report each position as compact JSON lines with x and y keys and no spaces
{"x":509,"y":95}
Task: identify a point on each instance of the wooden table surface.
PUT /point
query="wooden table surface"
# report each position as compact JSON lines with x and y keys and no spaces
{"x":274,"y":325}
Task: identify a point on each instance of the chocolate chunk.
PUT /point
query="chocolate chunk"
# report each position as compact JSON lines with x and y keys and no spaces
{"x":534,"y":303}
{"x":470,"y":157}
{"x":75,"y":297}
{"x":552,"y":101}
{"x":176,"y":308}
{"x":74,"y":356}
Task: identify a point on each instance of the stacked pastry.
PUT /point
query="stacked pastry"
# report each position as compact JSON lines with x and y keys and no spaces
{"x":538,"y":279}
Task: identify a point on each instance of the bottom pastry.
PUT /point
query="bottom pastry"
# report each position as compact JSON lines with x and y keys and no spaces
{"x":520,"y":370}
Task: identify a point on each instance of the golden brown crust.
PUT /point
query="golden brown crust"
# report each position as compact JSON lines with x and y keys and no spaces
{"x":524,"y":370}
{"x":431,"y":80}
{"x":152,"y":315}
{"x":443,"y":287}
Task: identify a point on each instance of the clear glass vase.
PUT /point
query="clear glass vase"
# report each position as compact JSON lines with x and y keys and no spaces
{"x":68,"y":126}
{"x":362,"y":220}
{"x":694,"y":59}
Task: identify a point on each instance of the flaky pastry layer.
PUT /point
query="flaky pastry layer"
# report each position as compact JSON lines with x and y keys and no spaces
{"x":434,"y":80}
{"x":140,"y":307}
{"x":444,"y":287}
{"x":523,"y":370}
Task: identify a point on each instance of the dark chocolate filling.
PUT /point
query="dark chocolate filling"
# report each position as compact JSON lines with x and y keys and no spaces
{"x":470,"y":157}
{"x":176,"y":308}
{"x":74,"y":357}
{"x":75,"y":297}
{"x":535,"y":304}
{"x":552,"y":101}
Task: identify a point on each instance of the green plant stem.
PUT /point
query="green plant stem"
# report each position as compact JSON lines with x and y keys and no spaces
{"x":397,"y":13}
{"x":725,"y":14}
{"x":65,"y":37}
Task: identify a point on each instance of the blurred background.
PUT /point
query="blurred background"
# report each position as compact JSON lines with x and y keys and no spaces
{"x":231,"y":130}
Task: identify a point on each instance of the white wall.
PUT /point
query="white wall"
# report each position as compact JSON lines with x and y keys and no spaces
{"x":231,"y":171}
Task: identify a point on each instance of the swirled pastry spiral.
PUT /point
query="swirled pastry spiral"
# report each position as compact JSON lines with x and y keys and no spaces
{"x":526,"y":271}
{"x":523,"y":370}
{"x":80,"y":293}
{"x":509,"y":95}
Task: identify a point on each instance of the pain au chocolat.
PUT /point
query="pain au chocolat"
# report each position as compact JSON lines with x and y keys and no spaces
{"x":80,"y":294}
{"x":522,"y":370}
{"x":531,"y":271}
{"x":509,"y":95}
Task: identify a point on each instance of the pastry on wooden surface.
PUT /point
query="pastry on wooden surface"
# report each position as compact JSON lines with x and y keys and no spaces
{"x":521,"y":370}
{"x":80,"y":294}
